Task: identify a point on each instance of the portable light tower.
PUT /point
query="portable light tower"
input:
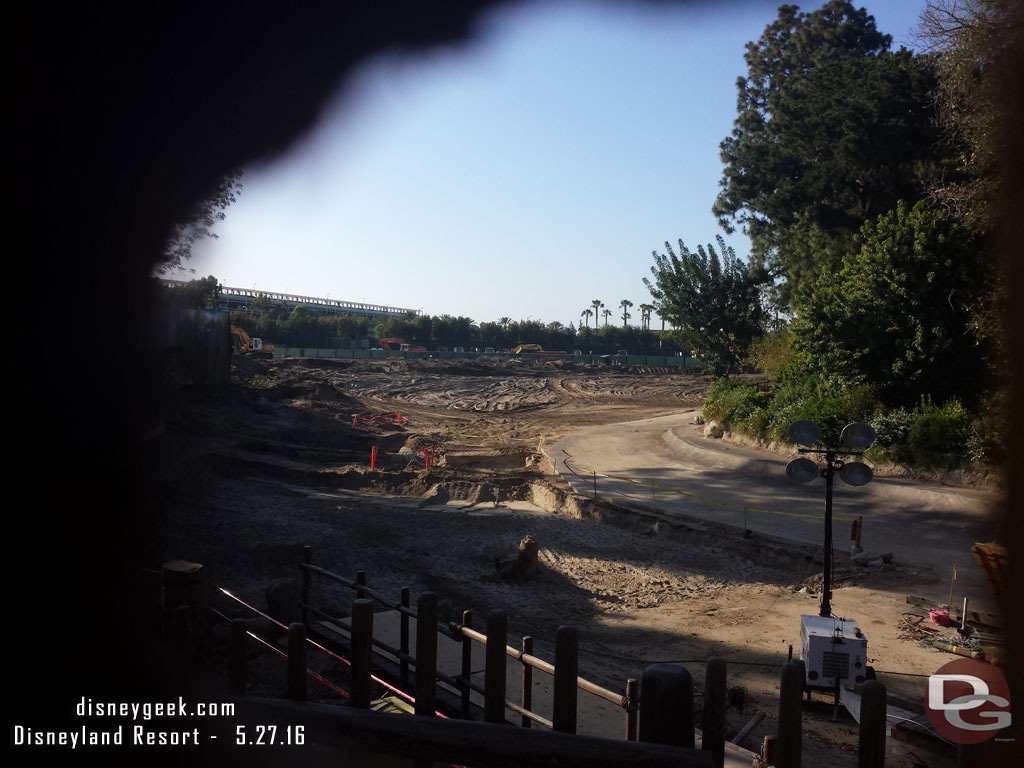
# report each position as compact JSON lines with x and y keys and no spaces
{"x":833,"y":649}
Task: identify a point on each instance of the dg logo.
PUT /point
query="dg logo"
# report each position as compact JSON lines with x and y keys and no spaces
{"x":968,"y":701}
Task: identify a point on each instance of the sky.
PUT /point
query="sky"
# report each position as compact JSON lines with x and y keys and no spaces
{"x":523,"y":175}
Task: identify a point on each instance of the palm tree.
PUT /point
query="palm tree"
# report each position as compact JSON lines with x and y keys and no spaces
{"x":504,"y":322}
{"x":606,"y":313}
{"x":596,"y":304}
{"x":645,"y":316}
{"x":625,"y":304}
{"x":585,"y":314}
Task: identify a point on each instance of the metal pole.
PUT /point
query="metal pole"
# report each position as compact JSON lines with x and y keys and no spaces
{"x":826,"y":583}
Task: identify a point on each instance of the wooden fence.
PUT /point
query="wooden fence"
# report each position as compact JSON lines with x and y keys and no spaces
{"x":659,"y":729}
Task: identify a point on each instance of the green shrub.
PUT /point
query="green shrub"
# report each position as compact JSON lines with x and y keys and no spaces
{"x":723,"y":396}
{"x":938,"y":435}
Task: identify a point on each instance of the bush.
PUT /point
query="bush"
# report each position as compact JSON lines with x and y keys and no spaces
{"x":738,"y":406}
{"x":723,"y":396}
{"x":938,"y":435}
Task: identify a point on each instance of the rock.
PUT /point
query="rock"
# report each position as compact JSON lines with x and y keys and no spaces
{"x":876,"y":563}
{"x":887,"y":557}
{"x":713,"y":429}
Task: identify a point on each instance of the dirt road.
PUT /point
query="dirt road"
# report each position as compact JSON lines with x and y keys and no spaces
{"x":928,"y":527}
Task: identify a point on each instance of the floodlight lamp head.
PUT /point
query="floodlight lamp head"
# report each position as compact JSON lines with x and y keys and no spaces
{"x":804,"y":432}
{"x":802,"y":470}
{"x":855,"y":473}
{"x":858,"y":435}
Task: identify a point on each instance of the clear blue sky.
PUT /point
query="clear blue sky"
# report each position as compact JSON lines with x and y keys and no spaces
{"x":523,"y":175}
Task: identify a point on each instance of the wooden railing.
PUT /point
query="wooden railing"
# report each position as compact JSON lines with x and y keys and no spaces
{"x":660,"y":727}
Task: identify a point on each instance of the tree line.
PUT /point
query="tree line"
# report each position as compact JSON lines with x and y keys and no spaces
{"x":867,"y":180}
{"x":301,"y":326}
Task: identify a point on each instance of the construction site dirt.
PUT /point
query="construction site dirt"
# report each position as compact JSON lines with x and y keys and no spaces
{"x":248,"y":474}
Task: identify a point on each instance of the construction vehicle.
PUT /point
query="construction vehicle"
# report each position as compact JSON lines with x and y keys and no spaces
{"x":242,"y":344}
{"x":399,"y":345}
{"x":535,"y":349}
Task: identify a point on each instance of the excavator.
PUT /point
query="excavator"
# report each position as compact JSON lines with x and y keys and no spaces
{"x":242,"y":344}
{"x":399,"y":345}
{"x":536,"y":349}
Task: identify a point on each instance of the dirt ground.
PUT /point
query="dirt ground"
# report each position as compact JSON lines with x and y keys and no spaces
{"x":253,"y":472}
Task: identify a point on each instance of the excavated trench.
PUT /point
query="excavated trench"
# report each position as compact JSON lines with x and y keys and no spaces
{"x":492,"y":481}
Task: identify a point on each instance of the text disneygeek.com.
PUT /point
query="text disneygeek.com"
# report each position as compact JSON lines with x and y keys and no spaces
{"x":101,"y":731}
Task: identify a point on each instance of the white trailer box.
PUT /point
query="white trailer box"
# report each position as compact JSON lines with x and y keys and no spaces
{"x":832,"y":649}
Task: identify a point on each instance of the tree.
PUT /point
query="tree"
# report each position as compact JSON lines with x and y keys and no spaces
{"x":713,"y":300}
{"x":586,"y":314}
{"x":261,"y":305}
{"x":197,"y":294}
{"x":597,"y":304}
{"x":200,"y":221}
{"x":625,"y":304}
{"x":897,"y":315}
{"x":832,"y":129}
{"x":974,"y":41}
{"x":645,"y":316}
{"x":606,"y":313}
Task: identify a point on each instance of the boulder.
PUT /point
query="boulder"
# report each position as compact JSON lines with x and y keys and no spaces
{"x":713,"y":429}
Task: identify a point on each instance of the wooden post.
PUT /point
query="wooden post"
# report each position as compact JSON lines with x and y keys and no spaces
{"x":873,"y":727}
{"x":426,"y":653}
{"x":362,"y":652}
{"x":467,"y":662}
{"x":403,"y":643}
{"x":297,"y":661}
{"x":238,"y":663}
{"x":567,"y":663}
{"x":494,"y":672}
{"x":307,"y":582}
{"x":666,"y":711}
{"x":631,"y":708}
{"x":713,"y":719}
{"x":788,"y":743}
{"x":527,"y":681}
